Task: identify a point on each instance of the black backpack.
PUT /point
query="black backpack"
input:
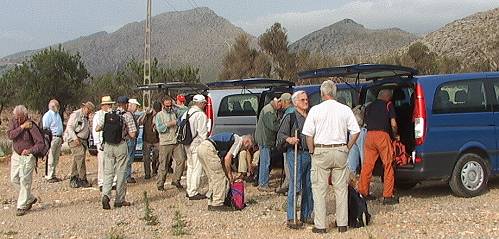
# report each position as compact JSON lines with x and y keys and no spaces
{"x":47,"y":141}
{"x":113,"y":127}
{"x":358,"y":216}
{"x":184,"y":134}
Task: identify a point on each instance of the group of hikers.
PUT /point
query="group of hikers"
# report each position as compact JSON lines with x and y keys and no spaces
{"x":321,"y":146}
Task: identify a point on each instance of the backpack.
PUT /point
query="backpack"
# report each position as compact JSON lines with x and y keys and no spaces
{"x":184,"y":133}
{"x":358,"y":216}
{"x":47,"y":141}
{"x":282,"y":146}
{"x":400,"y":156}
{"x":235,"y":197}
{"x":113,"y":127}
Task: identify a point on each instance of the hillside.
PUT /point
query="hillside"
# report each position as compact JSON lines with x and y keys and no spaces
{"x":348,"y":38}
{"x":472,"y":39}
{"x":198,"y":37}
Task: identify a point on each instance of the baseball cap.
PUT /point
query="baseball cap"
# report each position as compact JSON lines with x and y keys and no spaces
{"x":122,"y":100}
{"x":134,"y":101}
{"x":198,"y":98}
{"x":285,"y":96}
{"x":181,"y":98}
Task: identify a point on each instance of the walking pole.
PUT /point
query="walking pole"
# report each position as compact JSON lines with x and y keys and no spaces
{"x":294,"y":179}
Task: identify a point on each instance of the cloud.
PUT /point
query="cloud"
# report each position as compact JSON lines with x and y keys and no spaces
{"x":417,"y":16}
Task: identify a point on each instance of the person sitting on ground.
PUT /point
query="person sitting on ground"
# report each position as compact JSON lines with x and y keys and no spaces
{"x":215,"y":155}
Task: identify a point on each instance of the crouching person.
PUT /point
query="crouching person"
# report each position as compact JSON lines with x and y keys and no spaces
{"x":117,"y":126}
{"x":215,"y":155}
{"x":26,"y":141}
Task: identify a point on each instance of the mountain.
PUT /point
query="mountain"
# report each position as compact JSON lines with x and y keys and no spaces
{"x":348,"y":38}
{"x":471,"y":39}
{"x":197,"y":37}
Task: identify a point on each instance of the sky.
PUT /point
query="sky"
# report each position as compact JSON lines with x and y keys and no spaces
{"x":33,"y":24}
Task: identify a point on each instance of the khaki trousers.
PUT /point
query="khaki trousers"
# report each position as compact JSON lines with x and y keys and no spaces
{"x":194,"y":170}
{"x":53,"y":157}
{"x":165,"y":155}
{"x":100,"y":167}
{"x":79,"y":169}
{"x":218,"y":184}
{"x":179,"y":155}
{"x":21,"y":174}
{"x":325,"y":162}
{"x":115,"y":161}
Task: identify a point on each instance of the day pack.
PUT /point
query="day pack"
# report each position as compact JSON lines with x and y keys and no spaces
{"x":184,"y":134}
{"x":47,"y":141}
{"x":399,"y":154}
{"x":113,"y":127}
{"x":237,"y":195}
{"x":358,"y":216}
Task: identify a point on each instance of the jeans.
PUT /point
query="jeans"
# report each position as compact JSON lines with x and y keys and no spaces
{"x":263,"y":171}
{"x":357,"y":151}
{"x":131,"y":143}
{"x":304,"y":184}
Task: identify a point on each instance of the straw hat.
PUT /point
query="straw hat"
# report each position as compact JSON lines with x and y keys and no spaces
{"x":106,"y":100}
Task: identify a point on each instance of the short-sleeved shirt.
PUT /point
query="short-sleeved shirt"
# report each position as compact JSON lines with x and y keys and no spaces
{"x":329,"y":123}
{"x":378,"y":115}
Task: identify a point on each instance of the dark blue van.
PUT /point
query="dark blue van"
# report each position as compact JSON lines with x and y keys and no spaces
{"x":449,"y":123}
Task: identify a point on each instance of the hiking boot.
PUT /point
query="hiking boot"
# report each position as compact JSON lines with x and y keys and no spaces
{"x":105,"y":203}
{"x":221,"y":208}
{"x":264,"y":189}
{"x":391,"y":200}
{"x":342,"y":229}
{"x":122,"y":204}
{"x":100,"y":188}
{"x":131,"y":180}
{"x":30,"y":204}
{"x":369,"y":197}
{"x":21,"y":212}
{"x":309,"y":221}
{"x":54,"y":180}
{"x":84,"y":183}
{"x":73,"y":182}
{"x":319,"y":231}
{"x":282,"y":191}
{"x":147,"y":177}
{"x":161,"y":188}
{"x":292,"y":225}
{"x":197,"y":197}
{"x":177,"y":184}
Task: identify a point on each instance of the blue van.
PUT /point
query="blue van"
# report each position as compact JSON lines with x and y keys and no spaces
{"x":347,"y":93}
{"x":449,"y":123}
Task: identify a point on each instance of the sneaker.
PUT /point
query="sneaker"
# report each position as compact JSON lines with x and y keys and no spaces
{"x":147,"y":177}
{"x":342,"y":229}
{"x":100,"y":188}
{"x":73,"y":182}
{"x":21,"y":212}
{"x":161,"y":188}
{"x":131,"y":180}
{"x":30,"y":204}
{"x":282,"y":191}
{"x":221,"y":208}
{"x":122,"y":204}
{"x":309,"y":221}
{"x":369,"y":197}
{"x":54,"y":180}
{"x":197,"y":197}
{"x":292,"y":225}
{"x":319,"y":231}
{"x":391,"y":200}
{"x":264,"y":189}
{"x":84,"y":184}
{"x":177,"y":184}
{"x":105,"y":203}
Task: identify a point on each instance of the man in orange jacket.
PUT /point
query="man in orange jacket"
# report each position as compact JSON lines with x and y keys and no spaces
{"x":380,"y":120}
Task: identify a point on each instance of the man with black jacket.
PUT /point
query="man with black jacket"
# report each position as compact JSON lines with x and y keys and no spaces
{"x":215,"y":155}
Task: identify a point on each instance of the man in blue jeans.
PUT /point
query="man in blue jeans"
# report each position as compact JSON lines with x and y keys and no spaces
{"x":291,"y":123}
{"x":357,"y":150}
{"x":265,"y":135}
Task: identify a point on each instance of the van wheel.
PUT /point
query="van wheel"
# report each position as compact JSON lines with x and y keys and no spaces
{"x":405,"y":185}
{"x":470,"y":176}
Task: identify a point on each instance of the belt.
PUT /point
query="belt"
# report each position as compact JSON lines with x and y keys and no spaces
{"x":329,"y":145}
{"x":57,"y":136}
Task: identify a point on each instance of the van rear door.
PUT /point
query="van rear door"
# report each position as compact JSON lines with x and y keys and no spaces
{"x":493,"y":78}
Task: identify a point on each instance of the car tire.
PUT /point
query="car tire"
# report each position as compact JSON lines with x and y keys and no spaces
{"x":470,"y":176}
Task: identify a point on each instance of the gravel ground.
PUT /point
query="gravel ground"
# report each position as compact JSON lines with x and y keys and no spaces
{"x":427,"y":211}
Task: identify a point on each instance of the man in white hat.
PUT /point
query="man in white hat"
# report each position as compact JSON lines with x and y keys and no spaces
{"x":199,"y":128}
{"x":106,"y":105}
{"x":133,"y":105}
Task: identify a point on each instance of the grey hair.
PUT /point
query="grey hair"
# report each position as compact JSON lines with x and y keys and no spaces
{"x":383,"y":92}
{"x":20,"y":109}
{"x":328,"y":87}
{"x":250,"y":137}
{"x":295,"y":95}
{"x":53,"y":105}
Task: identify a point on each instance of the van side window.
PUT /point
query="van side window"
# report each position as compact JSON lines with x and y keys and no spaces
{"x":460,"y":97}
{"x":238,"y":105}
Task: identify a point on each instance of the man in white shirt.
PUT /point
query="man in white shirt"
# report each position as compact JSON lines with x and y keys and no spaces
{"x":326,"y":128}
{"x":199,"y":128}
{"x":52,"y":121}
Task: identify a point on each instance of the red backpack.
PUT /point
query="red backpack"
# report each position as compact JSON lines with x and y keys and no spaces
{"x":400,"y":156}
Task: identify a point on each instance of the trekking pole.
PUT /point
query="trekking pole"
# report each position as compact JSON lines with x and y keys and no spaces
{"x":295,"y":172}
